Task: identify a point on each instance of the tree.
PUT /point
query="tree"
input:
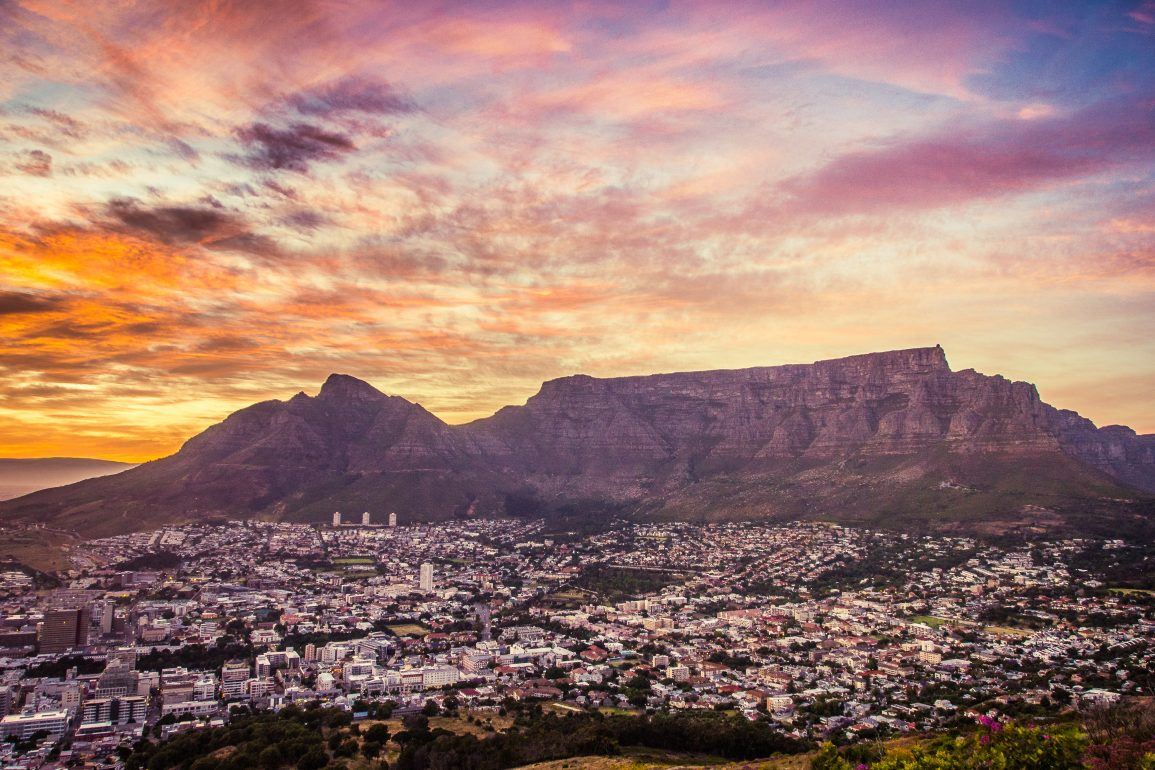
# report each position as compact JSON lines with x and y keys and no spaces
{"x":378,"y":732}
{"x":314,"y":759}
{"x":431,"y":709}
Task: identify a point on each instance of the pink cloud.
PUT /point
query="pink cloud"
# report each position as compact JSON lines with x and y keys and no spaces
{"x":964,"y":164}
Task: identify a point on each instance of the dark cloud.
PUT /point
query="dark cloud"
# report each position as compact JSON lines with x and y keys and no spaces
{"x":176,"y":225}
{"x":18,"y":303}
{"x":351,"y":94}
{"x":35,"y":163}
{"x":305,"y":219}
{"x":292,"y":148}
{"x":209,"y":225}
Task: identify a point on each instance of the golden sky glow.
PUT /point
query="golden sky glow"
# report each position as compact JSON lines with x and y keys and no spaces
{"x":209,"y":203}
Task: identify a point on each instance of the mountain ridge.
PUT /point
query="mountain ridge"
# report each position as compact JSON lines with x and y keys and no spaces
{"x":886,"y":438}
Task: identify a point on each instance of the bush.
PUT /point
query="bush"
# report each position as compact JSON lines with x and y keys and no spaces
{"x":994,"y":746}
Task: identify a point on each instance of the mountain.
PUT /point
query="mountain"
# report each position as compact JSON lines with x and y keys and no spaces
{"x":25,"y":475}
{"x":892,"y":439}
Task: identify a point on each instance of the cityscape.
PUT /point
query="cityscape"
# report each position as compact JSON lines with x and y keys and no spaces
{"x":577,"y":385}
{"x":818,"y":630}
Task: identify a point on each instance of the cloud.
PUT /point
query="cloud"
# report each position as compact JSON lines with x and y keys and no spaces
{"x":20,"y":303}
{"x":292,"y":148}
{"x":351,"y":94}
{"x":35,"y":163}
{"x":209,"y":226}
{"x":173,"y":224}
{"x":963,"y":164}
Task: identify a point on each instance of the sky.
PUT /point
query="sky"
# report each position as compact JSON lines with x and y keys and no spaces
{"x":209,"y":203}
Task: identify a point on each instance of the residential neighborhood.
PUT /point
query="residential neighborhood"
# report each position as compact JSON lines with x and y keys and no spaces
{"x":816,"y":629}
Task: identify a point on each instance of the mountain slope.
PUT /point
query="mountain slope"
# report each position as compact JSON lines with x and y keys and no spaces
{"x":892,"y":437}
{"x":21,"y":476}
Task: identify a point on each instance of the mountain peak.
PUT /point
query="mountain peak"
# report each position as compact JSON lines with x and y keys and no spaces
{"x":343,"y":387}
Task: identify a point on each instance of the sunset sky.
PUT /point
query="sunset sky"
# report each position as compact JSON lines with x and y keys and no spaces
{"x":207,"y":203}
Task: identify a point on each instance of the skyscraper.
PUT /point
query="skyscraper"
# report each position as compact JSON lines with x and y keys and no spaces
{"x":336,"y":518}
{"x":64,"y":630}
{"x":426,"y":580}
{"x":107,"y":615}
{"x":365,"y":519}
{"x":392,"y":519}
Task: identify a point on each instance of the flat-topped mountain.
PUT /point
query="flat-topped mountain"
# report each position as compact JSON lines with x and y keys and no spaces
{"x":886,"y":438}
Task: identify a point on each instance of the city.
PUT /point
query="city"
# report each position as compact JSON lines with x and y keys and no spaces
{"x":821,"y":631}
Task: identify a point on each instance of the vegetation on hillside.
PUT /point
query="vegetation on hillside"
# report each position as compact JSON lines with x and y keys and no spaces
{"x":1119,"y":738}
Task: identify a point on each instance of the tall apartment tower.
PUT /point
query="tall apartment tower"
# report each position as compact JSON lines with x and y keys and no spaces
{"x":64,"y":630}
{"x":425,"y":582}
{"x":336,"y":518}
{"x":366,"y":520}
{"x":107,"y":615}
{"x":393,"y":520}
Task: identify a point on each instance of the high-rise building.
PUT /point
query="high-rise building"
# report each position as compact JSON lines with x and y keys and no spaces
{"x":64,"y":630}
{"x":393,"y":520}
{"x":336,"y":518}
{"x":425,"y":583}
{"x":366,"y":520}
{"x":310,"y":652}
{"x":107,"y":615}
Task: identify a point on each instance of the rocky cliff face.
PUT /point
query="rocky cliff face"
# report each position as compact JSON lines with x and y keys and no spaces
{"x":867,"y":436}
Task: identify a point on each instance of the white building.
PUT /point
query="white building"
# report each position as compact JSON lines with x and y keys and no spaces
{"x":336,"y":518}
{"x":426,"y":579}
{"x":205,"y":688}
{"x":198,"y":708}
{"x":392,"y":519}
{"x":439,"y":676}
{"x":23,"y":725}
{"x":366,"y":519}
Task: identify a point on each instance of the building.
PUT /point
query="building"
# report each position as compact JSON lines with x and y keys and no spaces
{"x":268,"y":662}
{"x":439,"y":676}
{"x":366,"y":519}
{"x":425,"y":582}
{"x":336,"y":518}
{"x":118,"y":711}
{"x":118,"y":679}
{"x":107,"y":615}
{"x":259,"y":688}
{"x":392,"y":519}
{"x":234,"y":673}
{"x":205,"y":688}
{"x":64,"y":630}
{"x":197,"y":708}
{"x":22,"y":726}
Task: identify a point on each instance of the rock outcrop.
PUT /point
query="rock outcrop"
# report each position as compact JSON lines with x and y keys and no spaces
{"x":865,"y":438}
